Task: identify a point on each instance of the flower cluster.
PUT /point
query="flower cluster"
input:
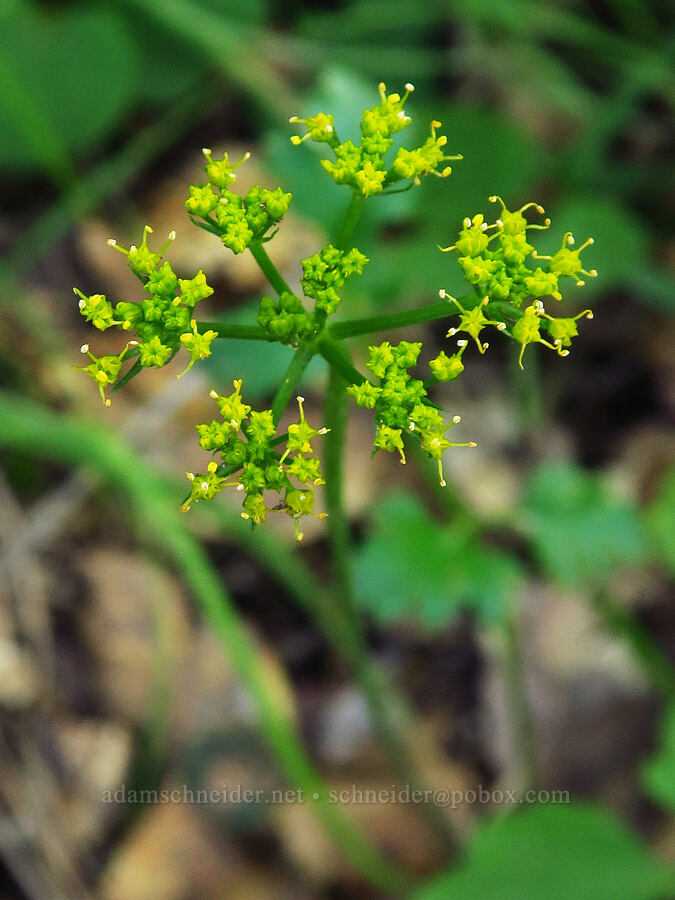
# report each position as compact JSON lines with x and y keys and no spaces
{"x":510,"y":281}
{"x":236,"y":220}
{"x":362,"y":166}
{"x":324,"y":273}
{"x":401,"y":404}
{"x":162,"y":321}
{"x":494,"y":259}
{"x":286,"y":319}
{"x":247,"y":443}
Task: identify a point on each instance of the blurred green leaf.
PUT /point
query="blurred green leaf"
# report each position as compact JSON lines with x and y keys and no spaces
{"x":660,"y":520}
{"x":654,"y":287}
{"x":109,"y":177}
{"x":620,"y":246}
{"x":167,"y":75}
{"x":391,"y":61}
{"x":574,"y":852}
{"x":580,"y":533}
{"x":392,"y":40}
{"x":68,"y":77}
{"x":407,"y":270}
{"x":525,"y":68}
{"x":414,"y":569}
{"x":499,"y":158}
{"x":220,"y":40}
{"x":532,"y":20}
{"x":254,"y":12}
{"x":345,"y":94}
{"x":658,"y":773}
{"x":363,"y":21}
{"x":315,"y":194}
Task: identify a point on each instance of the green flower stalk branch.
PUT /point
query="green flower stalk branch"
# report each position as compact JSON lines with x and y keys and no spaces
{"x":268,"y":268}
{"x":355,"y":327}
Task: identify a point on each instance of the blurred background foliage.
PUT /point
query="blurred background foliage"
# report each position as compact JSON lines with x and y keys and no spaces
{"x":554,"y":544}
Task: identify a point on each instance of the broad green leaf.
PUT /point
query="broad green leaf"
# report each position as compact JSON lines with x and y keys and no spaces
{"x":413,"y":569}
{"x":573,"y":852}
{"x":580,"y":532}
{"x":658,"y":773}
{"x":67,"y":79}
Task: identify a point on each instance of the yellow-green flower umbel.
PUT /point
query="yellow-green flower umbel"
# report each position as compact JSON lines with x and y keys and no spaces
{"x":401,"y":404}
{"x":247,"y":443}
{"x":495,"y":258}
{"x":509,"y":285}
{"x":363,"y":166}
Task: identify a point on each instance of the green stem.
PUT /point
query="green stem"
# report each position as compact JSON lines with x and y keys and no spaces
{"x":268,"y":268}
{"x":346,"y":230}
{"x":34,"y":430}
{"x":526,"y":389}
{"x":288,"y":386}
{"x":442,"y":310}
{"x":354,"y":327}
{"x":334,"y":355}
{"x":389,"y":716}
{"x":335,"y":419}
{"x":239,"y":332}
{"x":402,"y":190}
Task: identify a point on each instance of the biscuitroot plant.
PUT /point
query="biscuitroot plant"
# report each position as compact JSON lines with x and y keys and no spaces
{"x":509,"y":285}
{"x":511,"y":288}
